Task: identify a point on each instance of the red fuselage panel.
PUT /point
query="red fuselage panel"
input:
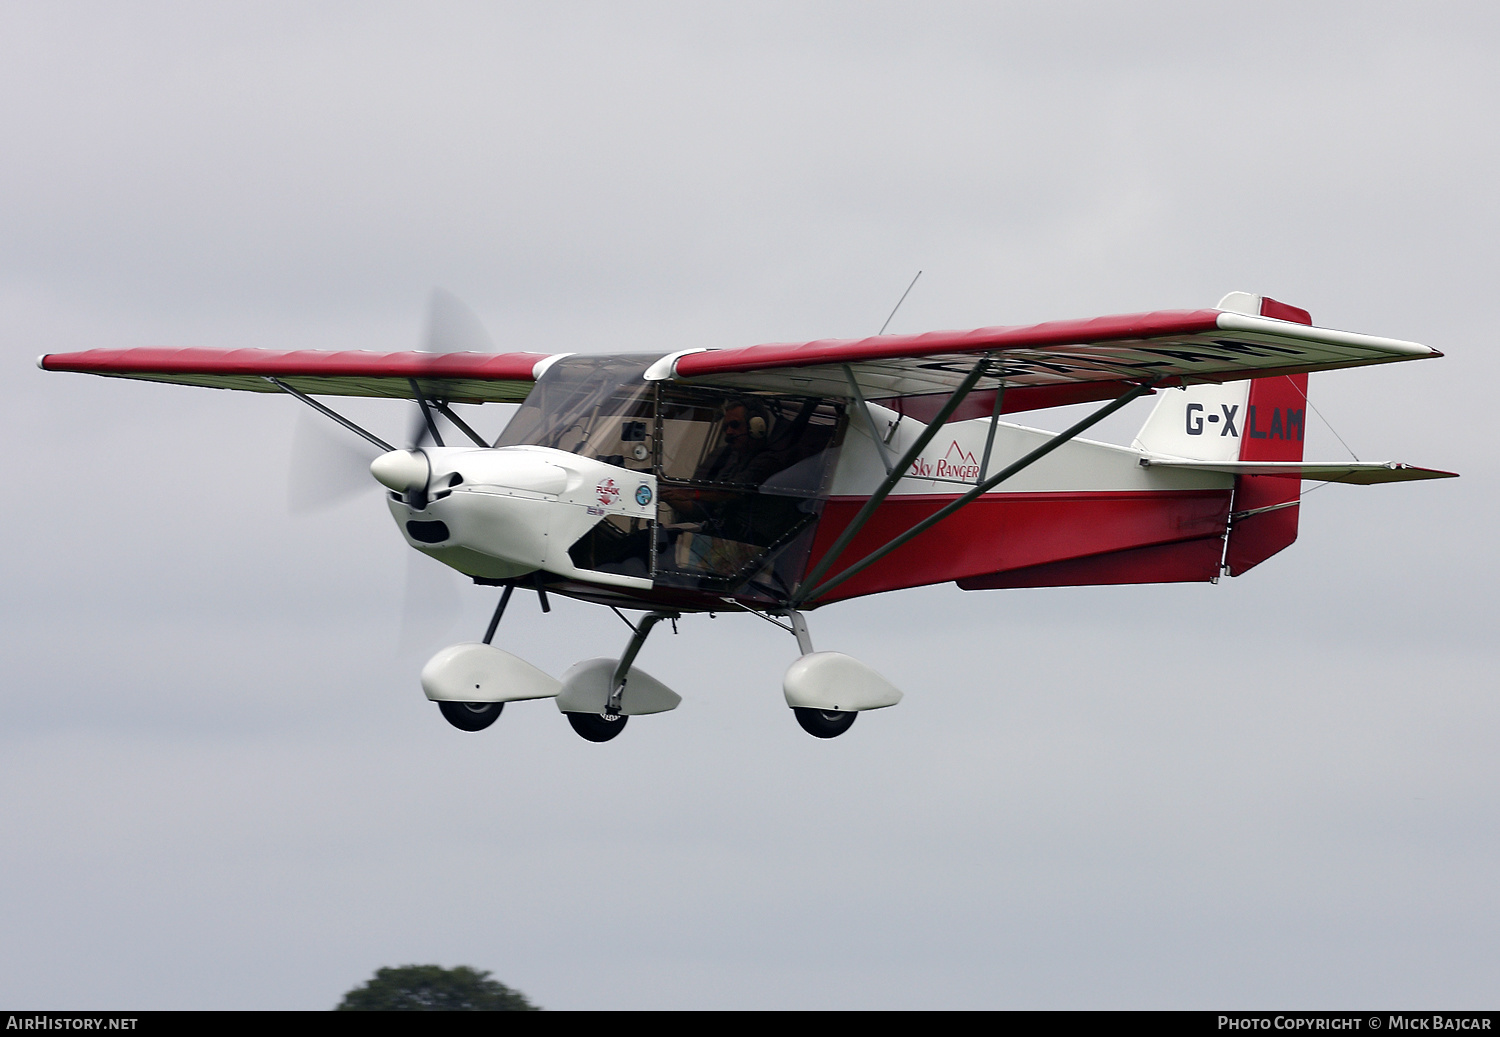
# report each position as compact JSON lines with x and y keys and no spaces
{"x":1007,"y":531}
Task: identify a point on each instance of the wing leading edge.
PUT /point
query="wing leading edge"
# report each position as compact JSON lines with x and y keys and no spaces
{"x":456,"y":377}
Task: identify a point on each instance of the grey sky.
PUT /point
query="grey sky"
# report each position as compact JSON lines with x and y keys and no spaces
{"x":220,"y":785}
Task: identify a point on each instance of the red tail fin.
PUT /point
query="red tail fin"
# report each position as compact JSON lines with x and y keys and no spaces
{"x":1265,"y":509}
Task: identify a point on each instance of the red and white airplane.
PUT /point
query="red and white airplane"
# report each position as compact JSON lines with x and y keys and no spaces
{"x":777,"y":479}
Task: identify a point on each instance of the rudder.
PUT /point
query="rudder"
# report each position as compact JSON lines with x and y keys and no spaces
{"x":1260,"y":420}
{"x":1263,"y":518}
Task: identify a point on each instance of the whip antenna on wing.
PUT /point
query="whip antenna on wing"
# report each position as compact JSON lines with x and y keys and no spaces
{"x":898,"y":304}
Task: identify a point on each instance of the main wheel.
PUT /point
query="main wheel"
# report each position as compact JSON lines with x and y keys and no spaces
{"x":471,"y":716}
{"x":597,"y":727}
{"x":824,"y":723}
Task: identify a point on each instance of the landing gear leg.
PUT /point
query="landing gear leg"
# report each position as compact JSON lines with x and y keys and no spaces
{"x":489,"y":634}
{"x":827,"y":690}
{"x":799,"y":628}
{"x":601,"y":727}
{"x":476,"y":716}
{"x":820,"y":723}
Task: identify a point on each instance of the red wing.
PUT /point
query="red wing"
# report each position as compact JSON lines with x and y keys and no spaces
{"x":1041,"y":365}
{"x":1057,"y":362}
{"x":456,"y":377}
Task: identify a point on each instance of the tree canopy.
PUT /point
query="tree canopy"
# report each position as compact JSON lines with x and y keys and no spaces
{"x":432,"y":988}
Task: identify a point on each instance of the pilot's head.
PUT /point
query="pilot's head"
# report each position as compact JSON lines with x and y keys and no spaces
{"x":743,"y":428}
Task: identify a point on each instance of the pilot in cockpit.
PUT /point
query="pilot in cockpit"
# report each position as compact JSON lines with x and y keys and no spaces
{"x":745,"y":461}
{"x":718,"y":519}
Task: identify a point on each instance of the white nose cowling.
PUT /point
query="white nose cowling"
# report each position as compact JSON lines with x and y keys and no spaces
{"x":404,"y":471}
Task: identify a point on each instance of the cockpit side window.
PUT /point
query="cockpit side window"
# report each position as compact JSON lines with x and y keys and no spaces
{"x":741,"y":476}
{"x":741,"y":481}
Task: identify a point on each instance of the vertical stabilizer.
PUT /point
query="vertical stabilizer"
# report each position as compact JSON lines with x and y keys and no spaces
{"x":1200,"y":422}
{"x":1260,"y":420}
{"x":1263,"y":517}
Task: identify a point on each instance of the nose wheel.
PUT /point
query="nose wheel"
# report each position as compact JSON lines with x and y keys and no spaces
{"x":597,"y":727}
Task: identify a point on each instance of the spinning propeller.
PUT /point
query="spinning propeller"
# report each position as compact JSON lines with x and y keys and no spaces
{"x":329,"y":467}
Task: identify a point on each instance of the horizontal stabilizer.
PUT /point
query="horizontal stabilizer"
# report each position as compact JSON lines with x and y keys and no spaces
{"x":1364,"y":473}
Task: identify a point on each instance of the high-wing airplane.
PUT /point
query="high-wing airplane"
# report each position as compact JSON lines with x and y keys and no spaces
{"x":777,"y":479}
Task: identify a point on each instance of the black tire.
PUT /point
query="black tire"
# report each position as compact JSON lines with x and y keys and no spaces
{"x":597,"y":727}
{"x":471,"y":716}
{"x":824,"y":723}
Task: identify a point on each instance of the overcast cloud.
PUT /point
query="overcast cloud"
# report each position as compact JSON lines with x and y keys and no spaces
{"x":220,"y":785}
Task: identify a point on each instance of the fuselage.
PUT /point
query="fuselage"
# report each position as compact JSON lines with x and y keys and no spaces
{"x":609,"y":487}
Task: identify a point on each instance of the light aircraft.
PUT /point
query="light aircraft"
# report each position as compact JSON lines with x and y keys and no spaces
{"x":777,"y":479}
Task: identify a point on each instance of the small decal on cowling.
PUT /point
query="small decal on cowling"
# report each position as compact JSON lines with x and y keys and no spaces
{"x":643,"y":495}
{"x":608,"y":492}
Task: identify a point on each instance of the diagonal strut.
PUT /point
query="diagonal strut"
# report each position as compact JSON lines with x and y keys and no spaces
{"x":893,"y":476}
{"x":988,"y":484}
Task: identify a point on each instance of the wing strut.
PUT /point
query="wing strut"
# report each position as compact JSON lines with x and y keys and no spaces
{"x":1036,"y":455}
{"x":335,"y":415}
{"x":460,"y":423}
{"x":989,"y":439}
{"x":432,"y":429}
{"x":894,"y":474}
{"x":864,"y":410}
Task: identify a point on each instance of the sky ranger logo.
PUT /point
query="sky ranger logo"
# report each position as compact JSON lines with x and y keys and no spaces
{"x":957,"y":463}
